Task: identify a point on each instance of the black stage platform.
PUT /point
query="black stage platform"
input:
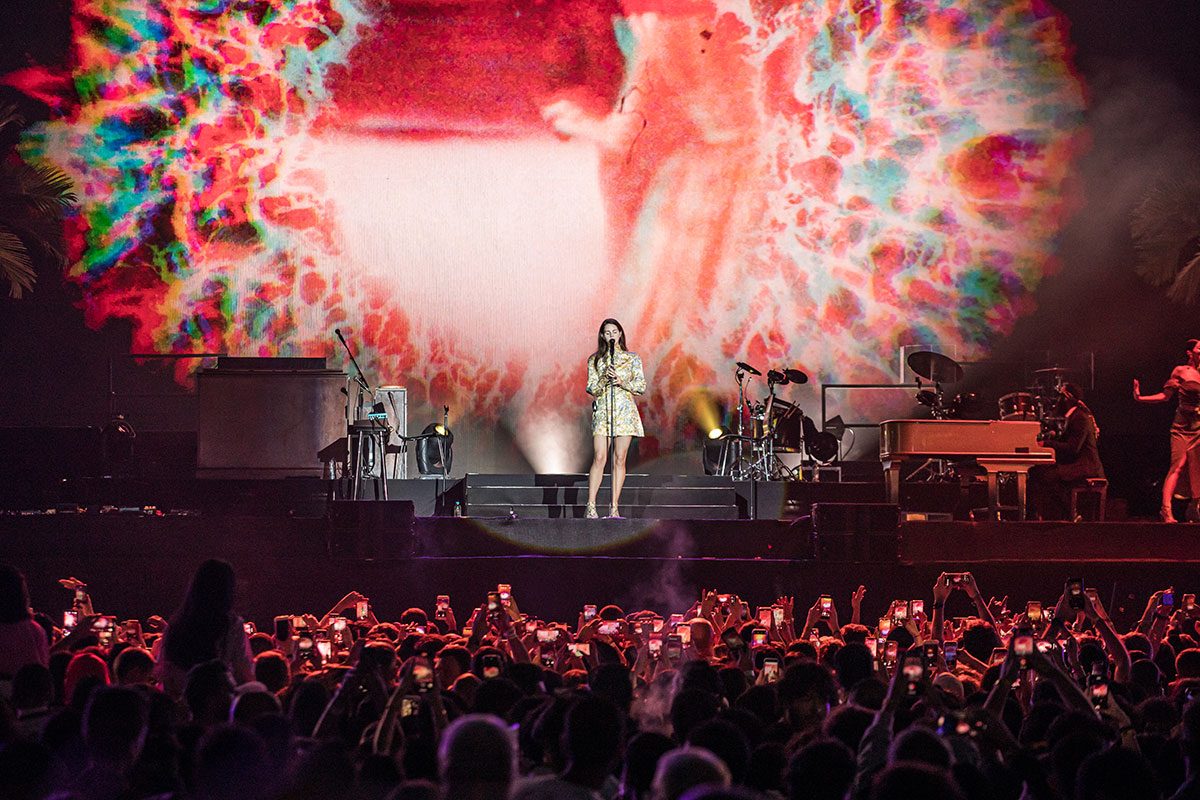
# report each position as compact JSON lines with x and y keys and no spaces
{"x":296,"y":550}
{"x":529,"y":496}
{"x":140,"y":564}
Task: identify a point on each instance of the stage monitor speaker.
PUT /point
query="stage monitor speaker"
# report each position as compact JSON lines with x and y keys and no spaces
{"x":371,"y":529}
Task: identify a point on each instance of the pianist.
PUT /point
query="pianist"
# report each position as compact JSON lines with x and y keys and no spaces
{"x":1075,"y":457}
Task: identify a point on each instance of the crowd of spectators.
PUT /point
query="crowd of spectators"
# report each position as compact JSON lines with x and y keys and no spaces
{"x":719,"y":700}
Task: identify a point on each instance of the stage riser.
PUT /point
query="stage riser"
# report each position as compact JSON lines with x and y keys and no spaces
{"x":791,"y":499}
{"x":389,"y":531}
{"x":565,"y":497}
{"x":304,"y":497}
{"x":436,"y":497}
{"x":143,"y":565}
{"x":577,"y":496}
{"x":578,"y":480}
{"x":627,"y":510}
{"x":1051,"y":542}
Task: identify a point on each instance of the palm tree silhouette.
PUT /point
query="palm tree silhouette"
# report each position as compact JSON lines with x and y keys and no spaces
{"x":1166,"y":235}
{"x":33,"y":201}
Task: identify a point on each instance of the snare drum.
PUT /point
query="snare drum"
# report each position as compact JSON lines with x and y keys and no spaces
{"x":1018,"y":406}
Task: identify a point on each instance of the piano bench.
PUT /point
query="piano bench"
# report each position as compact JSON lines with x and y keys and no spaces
{"x":1096,"y":488}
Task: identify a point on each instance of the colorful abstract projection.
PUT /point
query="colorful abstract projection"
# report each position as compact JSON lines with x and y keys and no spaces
{"x":466,"y":190}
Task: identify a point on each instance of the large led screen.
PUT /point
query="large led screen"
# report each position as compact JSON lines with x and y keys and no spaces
{"x":466,"y":189}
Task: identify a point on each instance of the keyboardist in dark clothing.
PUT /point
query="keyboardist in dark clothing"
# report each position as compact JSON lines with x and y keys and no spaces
{"x":1075,"y":455}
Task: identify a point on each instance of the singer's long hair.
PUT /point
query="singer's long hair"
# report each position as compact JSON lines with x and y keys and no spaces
{"x":602,"y":346}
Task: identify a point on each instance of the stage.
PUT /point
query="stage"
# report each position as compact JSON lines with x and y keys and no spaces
{"x":295,"y":551}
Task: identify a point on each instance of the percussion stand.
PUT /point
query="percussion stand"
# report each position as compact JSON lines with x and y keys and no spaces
{"x":768,"y":466}
{"x":938,"y":469}
{"x":759,"y":467}
{"x":779,"y":470}
{"x":738,"y":470}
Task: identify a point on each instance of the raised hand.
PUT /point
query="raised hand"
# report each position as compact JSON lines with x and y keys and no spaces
{"x":834,"y":626}
{"x":814,"y":614}
{"x":940,"y":589}
{"x":856,"y":599}
{"x":788,"y":604}
{"x":1094,"y":608}
{"x":970,"y":586}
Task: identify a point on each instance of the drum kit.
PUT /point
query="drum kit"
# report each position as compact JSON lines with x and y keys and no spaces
{"x":1038,"y":402}
{"x":940,"y":369}
{"x":776,"y":426}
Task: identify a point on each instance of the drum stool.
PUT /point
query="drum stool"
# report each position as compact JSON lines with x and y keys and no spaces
{"x":1095,"y":487}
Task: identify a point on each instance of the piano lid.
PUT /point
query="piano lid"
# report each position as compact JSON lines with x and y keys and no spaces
{"x":961,"y":438}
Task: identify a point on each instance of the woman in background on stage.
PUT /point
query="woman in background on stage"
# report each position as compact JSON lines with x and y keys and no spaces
{"x":1185,"y":428}
{"x":612,"y":381}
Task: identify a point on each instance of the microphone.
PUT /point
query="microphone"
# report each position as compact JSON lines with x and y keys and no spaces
{"x":341,"y":338}
{"x":612,"y":346}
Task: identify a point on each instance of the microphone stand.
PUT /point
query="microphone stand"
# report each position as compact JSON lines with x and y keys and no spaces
{"x":359,"y":378}
{"x":612,"y":439}
{"x":441,"y":438}
{"x":363,"y":388}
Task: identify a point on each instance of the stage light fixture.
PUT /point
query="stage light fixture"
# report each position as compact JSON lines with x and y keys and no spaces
{"x":716,"y":433}
{"x":822,"y":447}
{"x":825,"y":446}
{"x":435,"y":451}
{"x":710,"y":455}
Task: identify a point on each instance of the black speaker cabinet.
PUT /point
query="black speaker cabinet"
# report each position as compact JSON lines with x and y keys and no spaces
{"x":856,"y":531}
{"x":371,"y":529}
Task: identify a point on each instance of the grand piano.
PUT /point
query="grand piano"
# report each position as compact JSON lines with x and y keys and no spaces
{"x":998,"y":446}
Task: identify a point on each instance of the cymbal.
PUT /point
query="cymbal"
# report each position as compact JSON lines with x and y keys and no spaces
{"x":796,"y":376}
{"x":935,"y":367}
{"x":742,"y":365}
{"x":1054,"y":371}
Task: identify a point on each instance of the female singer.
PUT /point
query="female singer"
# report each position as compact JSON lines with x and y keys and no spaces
{"x":1185,"y":429}
{"x":614,"y":377}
